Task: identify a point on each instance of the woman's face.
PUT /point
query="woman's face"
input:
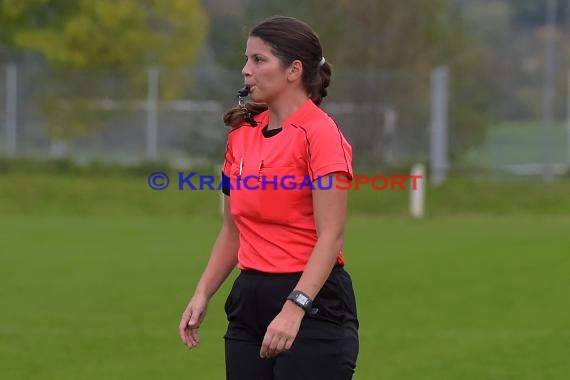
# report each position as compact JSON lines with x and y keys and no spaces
{"x":263,"y":72}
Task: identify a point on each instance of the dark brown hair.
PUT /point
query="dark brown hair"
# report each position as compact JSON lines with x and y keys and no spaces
{"x":290,"y":39}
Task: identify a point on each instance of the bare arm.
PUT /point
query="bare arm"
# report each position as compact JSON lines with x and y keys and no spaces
{"x":223,"y":259}
{"x":330,"y":214}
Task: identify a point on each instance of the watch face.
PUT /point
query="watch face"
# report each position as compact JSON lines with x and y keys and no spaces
{"x":302,"y":299}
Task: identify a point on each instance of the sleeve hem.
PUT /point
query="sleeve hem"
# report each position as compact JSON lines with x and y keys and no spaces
{"x":226,"y":187}
{"x":332,"y":168}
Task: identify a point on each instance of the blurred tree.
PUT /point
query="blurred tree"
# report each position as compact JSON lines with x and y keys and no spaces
{"x":98,"y":33}
{"x":102,"y":42}
{"x":406,"y":41}
{"x":514,"y":35}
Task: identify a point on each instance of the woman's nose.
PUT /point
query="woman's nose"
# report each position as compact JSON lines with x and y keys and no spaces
{"x":245,"y":70}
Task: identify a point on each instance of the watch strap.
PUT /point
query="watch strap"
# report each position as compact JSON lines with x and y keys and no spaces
{"x":302,"y":300}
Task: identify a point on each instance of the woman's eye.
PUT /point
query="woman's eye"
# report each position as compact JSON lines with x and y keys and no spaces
{"x":258,"y":59}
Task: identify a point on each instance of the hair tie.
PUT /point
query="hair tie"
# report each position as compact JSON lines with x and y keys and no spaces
{"x":322,"y":62}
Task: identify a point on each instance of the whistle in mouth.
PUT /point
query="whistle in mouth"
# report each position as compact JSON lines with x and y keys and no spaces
{"x":243,"y":92}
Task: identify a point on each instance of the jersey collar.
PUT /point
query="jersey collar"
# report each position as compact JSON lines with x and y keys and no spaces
{"x":307,"y":109}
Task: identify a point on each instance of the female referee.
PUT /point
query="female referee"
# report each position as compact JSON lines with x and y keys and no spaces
{"x":291,"y":310}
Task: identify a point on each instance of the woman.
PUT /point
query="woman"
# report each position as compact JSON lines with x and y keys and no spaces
{"x":291,"y":310}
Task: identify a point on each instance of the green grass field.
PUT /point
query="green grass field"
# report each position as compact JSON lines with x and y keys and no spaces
{"x":467,"y":298}
{"x":95,"y":273}
{"x":520,"y":142}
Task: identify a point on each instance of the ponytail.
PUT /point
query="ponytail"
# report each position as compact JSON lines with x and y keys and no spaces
{"x":244,"y":113}
{"x":318,"y":88}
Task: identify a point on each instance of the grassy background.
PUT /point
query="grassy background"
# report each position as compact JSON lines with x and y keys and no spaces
{"x":96,"y":268}
{"x":111,"y":191}
{"x":519,"y":142}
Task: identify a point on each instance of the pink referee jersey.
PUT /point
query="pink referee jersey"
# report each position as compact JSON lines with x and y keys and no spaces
{"x":271,"y":197}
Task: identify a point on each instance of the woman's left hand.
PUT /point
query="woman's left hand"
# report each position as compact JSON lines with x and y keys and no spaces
{"x":282,"y":331}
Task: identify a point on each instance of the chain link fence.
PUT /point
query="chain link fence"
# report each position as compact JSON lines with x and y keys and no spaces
{"x":175,"y":115}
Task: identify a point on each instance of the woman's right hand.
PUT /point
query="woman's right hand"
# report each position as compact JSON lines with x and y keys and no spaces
{"x":191,"y":320}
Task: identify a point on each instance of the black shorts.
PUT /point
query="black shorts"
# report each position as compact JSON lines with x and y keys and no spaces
{"x":326,"y":346}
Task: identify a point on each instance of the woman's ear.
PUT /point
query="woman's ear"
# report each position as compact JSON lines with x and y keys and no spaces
{"x":295,"y":71}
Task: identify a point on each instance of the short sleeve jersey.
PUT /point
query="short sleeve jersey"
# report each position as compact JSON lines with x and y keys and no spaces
{"x":271,"y":186}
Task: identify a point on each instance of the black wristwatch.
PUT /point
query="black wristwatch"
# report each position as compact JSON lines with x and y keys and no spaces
{"x":303,"y":301}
